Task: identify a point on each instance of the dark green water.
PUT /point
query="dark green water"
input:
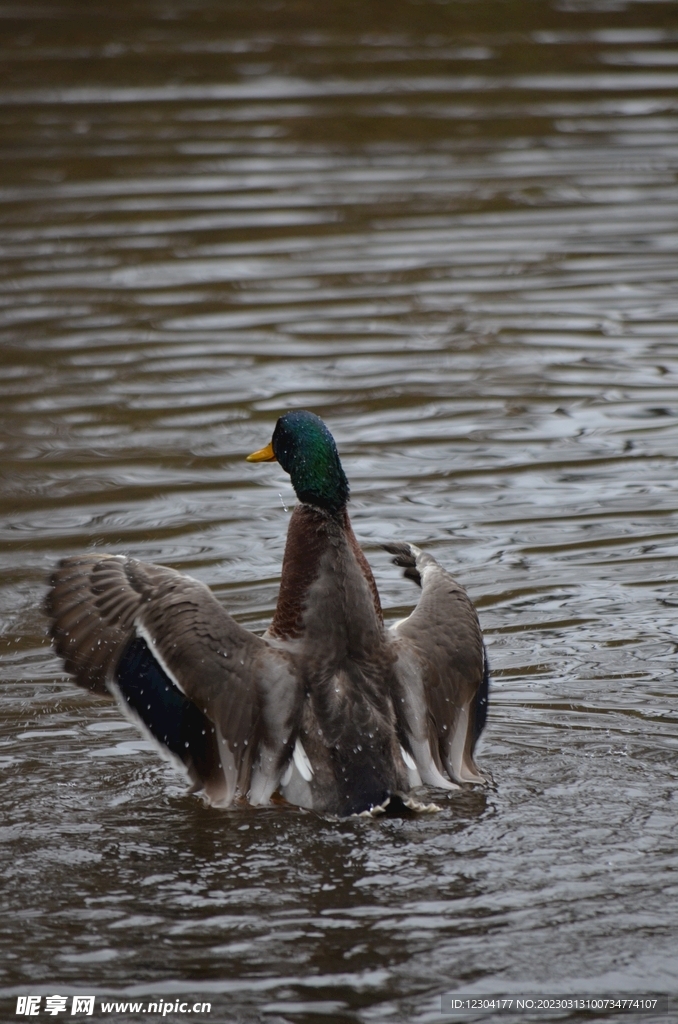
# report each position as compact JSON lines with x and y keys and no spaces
{"x":451,"y":229}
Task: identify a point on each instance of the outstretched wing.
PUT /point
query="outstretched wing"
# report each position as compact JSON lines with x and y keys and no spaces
{"x":442,"y":672}
{"x":221,"y":700}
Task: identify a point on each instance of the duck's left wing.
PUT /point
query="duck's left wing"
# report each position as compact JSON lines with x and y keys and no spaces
{"x":216,"y":697}
{"x":441,"y":672}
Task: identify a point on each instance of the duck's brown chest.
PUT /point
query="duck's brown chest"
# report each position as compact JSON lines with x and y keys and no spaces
{"x":329,"y":606}
{"x":327,"y":586}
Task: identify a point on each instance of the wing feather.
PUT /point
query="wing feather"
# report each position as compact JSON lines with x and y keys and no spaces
{"x":116,"y":621}
{"x":441,"y":671}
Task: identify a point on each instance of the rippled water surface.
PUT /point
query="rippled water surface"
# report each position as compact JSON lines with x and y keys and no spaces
{"x":451,"y":230}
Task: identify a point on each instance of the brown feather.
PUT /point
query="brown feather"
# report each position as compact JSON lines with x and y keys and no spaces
{"x":307,"y":540}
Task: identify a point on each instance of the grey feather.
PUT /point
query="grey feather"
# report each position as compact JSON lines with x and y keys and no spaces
{"x":247,"y":688}
{"x":440,"y":665}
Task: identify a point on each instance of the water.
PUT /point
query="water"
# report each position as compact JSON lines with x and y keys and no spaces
{"x":450,"y":229}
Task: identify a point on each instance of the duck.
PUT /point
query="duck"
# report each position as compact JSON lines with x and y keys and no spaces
{"x":331,"y":709}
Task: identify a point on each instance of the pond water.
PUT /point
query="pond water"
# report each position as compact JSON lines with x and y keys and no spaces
{"x":450,"y":229}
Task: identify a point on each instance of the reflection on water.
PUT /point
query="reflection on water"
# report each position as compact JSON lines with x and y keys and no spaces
{"x":450,"y":229}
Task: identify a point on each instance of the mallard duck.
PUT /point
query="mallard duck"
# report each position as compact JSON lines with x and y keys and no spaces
{"x":329,"y":708}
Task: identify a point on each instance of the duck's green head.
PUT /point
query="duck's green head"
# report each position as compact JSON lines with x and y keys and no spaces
{"x":305,"y":449}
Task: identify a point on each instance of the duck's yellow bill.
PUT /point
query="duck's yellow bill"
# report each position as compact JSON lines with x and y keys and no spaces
{"x":263,"y":455}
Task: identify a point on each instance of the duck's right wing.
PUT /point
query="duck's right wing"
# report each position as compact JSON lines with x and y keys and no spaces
{"x":441,"y":673}
{"x":219,"y":699}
